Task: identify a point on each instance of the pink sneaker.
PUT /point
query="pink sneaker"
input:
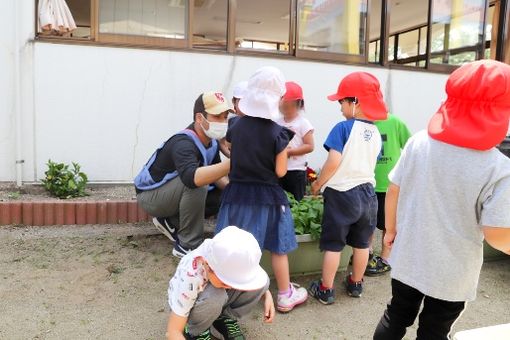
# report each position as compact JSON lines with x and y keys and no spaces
{"x":286,"y":303}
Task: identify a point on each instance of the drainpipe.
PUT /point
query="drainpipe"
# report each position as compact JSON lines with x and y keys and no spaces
{"x":17,"y":92}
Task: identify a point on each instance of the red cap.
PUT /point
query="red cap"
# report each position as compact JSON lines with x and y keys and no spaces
{"x":294,"y":92}
{"x":476,"y":112}
{"x":365,"y":87}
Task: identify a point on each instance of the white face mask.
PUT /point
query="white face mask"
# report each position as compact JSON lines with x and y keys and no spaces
{"x":216,"y":130}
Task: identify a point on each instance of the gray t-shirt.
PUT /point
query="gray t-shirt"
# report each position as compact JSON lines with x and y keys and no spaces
{"x":447,"y":194}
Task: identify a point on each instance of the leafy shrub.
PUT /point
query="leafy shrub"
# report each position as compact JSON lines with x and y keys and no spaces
{"x":64,"y":181}
{"x":307,"y":215}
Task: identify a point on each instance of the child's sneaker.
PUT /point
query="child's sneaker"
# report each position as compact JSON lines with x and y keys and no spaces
{"x":377,"y":266}
{"x":287,"y":302}
{"x":325,"y":297}
{"x":165,"y":227}
{"x":354,"y":289}
{"x":225,"y":328}
{"x":179,"y":251}
{"x":205,"y":335}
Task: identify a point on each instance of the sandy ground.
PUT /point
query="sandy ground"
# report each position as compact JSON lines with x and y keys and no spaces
{"x":35,"y":192}
{"x":110,"y":282}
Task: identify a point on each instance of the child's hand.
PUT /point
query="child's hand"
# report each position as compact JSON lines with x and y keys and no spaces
{"x":269,"y":310}
{"x":316,"y":188}
{"x":389,"y":238}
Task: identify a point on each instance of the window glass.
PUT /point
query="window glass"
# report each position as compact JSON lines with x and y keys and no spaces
{"x":210,"y":24}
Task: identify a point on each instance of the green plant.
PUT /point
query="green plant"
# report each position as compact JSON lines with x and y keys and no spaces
{"x":64,"y":181}
{"x":307,"y":215}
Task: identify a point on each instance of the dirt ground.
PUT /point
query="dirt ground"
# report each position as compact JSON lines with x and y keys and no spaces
{"x":36,"y":192}
{"x":110,"y":282}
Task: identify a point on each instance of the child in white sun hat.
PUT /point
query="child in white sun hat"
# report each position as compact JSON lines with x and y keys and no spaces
{"x":216,"y":284}
{"x":253,"y":199}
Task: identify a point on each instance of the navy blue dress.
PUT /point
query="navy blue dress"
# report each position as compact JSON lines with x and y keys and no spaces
{"x":253,"y":200}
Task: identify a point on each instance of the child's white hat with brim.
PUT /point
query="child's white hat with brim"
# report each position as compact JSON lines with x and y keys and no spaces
{"x":263,"y":93}
{"x":234,"y":256}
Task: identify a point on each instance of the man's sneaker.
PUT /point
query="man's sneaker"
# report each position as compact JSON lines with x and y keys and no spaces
{"x":286,"y":303}
{"x":377,"y":266}
{"x":225,"y":328}
{"x":325,"y":297}
{"x":165,"y":227}
{"x":206,"y":335}
{"x":354,"y":289}
{"x":179,"y":251}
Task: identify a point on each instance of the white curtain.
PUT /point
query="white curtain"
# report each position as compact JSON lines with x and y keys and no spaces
{"x":55,"y":16}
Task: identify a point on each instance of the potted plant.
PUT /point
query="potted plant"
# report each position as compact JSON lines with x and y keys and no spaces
{"x":307,"y":258}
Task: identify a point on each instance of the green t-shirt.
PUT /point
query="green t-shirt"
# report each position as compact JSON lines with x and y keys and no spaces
{"x":394,"y":134}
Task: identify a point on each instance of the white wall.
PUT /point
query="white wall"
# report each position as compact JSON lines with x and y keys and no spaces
{"x":108,"y":108}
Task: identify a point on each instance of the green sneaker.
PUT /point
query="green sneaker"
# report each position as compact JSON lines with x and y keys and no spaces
{"x":377,"y":266}
{"x":225,"y":328}
{"x":205,"y":335}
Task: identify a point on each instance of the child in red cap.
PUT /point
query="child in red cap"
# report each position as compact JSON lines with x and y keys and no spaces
{"x":347,"y":179}
{"x":449,"y":191}
{"x":291,"y":107}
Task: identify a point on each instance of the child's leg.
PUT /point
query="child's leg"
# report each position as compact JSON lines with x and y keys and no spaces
{"x":400,"y":312}
{"x":385,"y":253}
{"x":359,"y":263}
{"x":280,"y":263}
{"x":241,"y":303}
{"x":438,"y":317}
{"x":208,"y":307}
{"x":330,"y":264}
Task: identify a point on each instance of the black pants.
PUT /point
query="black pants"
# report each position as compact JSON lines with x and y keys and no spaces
{"x":295,"y":183}
{"x":435,"y":321}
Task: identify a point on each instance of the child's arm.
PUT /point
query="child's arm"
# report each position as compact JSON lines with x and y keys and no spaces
{"x":307,"y":147}
{"x":224,"y":147}
{"x":390,"y":211}
{"x":328,"y":170}
{"x":269,"y":310}
{"x":498,"y":238}
{"x":175,"y":327}
{"x":281,"y":164}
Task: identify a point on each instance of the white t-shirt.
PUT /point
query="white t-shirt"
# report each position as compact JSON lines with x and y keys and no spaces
{"x":300,"y":126}
{"x":360,"y":143}
{"x":189,"y":280}
{"x":447,"y":193}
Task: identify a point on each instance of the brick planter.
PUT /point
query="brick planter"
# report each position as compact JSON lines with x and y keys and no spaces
{"x":45,"y":213}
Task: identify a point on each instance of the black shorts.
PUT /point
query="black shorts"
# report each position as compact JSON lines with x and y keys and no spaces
{"x":381,"y":198}
{"x":295,"y":183}
{"x":349,"y":218}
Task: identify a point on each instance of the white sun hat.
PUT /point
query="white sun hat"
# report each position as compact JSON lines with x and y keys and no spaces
{"x":234,"y":256}
{"x":239,"y":89}
{"x":263,"y":93}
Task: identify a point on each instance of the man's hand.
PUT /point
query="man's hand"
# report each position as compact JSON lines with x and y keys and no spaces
{"x":269,"y":310}
{"x":316,"y":188}
{"x":389,"y":238}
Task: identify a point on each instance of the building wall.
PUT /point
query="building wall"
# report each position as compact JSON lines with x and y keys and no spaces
{"x":109,"y":108}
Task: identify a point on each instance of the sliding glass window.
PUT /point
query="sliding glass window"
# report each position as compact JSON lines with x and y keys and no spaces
{"x":332,"y":27}
{"x":210,"y":22}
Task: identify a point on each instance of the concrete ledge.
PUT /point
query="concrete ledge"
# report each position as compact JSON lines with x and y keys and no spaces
{"x":47,"y":213}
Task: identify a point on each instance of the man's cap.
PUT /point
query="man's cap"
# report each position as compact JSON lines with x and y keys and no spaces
{"x":213,"y":103}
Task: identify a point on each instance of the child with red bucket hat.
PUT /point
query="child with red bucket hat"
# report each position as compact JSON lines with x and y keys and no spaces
{"x":449,"y":191}
{"x":292,"y":107}
{"x":347,"y":179}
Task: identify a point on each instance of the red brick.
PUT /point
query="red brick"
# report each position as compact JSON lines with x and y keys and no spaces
{"x":122,"y":211}
{"x":69,"y":213}
{"x":38,"y":213}
{"x":27,"y":213}
{"x":81,"y":213}
{"x":142,"y":215}
{"x":59,"y":213}
{"x":5,"y":213}
{"x":101,"y":213}
{"x":91,"y":212}
{"x":132,"y":211}
{"x":16,"y":213}
{"x":111,"y":212}
{"x":49,"y":213}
